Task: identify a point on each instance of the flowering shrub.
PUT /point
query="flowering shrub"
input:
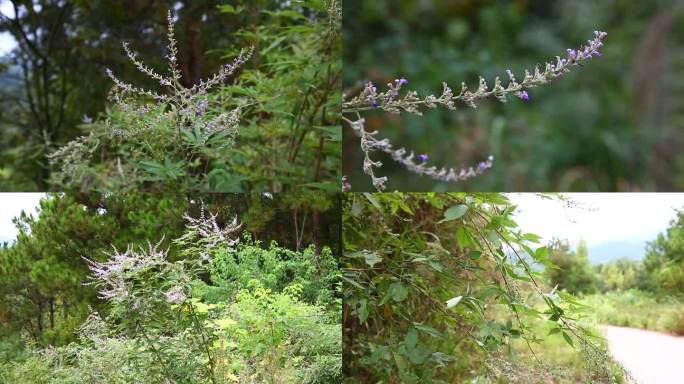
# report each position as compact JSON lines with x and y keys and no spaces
{"x":211,"y":136}
{"x":164,"y":324}
{"x":395,"y":99}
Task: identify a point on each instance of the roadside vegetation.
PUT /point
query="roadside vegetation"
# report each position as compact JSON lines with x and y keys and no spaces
{"x":647,"y":294}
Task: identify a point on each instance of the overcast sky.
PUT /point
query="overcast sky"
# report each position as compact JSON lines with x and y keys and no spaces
{"x":601,"y":217}
{"x":7,"y":43}
{"x":11,"y":205}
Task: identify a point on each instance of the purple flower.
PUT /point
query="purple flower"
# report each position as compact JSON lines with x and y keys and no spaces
{"x":175,"y":295}
{"x":523,"y":95}
{"x":482,"y":166}
{"x":572,"y":54}
{"x":423,"y":157}
{"x":401,"y":82}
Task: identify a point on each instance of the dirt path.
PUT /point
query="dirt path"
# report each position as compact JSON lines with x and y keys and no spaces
{"x":651,"y":357}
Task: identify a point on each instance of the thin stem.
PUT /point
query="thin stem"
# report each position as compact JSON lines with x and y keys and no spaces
{"x":205,"y":342}
{"x":156,"y":353}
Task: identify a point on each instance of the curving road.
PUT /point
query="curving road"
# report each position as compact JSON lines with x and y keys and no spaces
{"x":651,"y":357}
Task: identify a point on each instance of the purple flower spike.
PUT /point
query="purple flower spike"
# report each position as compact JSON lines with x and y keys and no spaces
{"x":423,"y":157}
{"x":523,"y":95}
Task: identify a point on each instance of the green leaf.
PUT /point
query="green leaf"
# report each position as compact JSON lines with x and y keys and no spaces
{"x":332,"y":133}
{"x":493,"y":237}
{"x":554,"y":331}
{"x":474,"y":255}
{"x":429,"y":330}
{"x":462,"y":237}
{"x":363,"y":310}
{"x":329,"y":187}
{"x":225,"y":323}
{"x":220,"y":180}
{"x":397,"y":291}
{"x":372,"y":200}
{"x":437,"y":266}
{"x":541,"y":253}
{"x":453,"y":302}
{"x":411,"y":338}
{"x":417,"y":355}
{"x":454,"y":212}
{"x":568,"y":339}
{"x":227,"y":8}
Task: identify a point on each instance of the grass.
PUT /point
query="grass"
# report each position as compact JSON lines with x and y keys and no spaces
{"x":554,"y":360}
{"x":637,"y":309}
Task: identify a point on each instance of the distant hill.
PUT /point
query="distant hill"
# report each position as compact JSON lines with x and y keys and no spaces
{"x":606,"y":252}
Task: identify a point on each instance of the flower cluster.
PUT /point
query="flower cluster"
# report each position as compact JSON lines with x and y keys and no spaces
{"x":190,"y":104}
{"x":391,"y":100}
{"x":370,"y":143}
{"x":113,"y":275}
{"x":207,"y":227}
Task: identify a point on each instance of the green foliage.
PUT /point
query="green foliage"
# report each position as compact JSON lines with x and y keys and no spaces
{"x":166,"y":323}
{"x":664,"y":261}
{"x":619,"y":275}
{"x":433,"y":290}
{"x":41,"y":292}
{"x":571,"y":270}
{"x":315,"y":273}
{"x":292,"y":135}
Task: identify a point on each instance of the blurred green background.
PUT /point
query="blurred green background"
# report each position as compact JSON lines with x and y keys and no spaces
{"x":615,"y":124}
